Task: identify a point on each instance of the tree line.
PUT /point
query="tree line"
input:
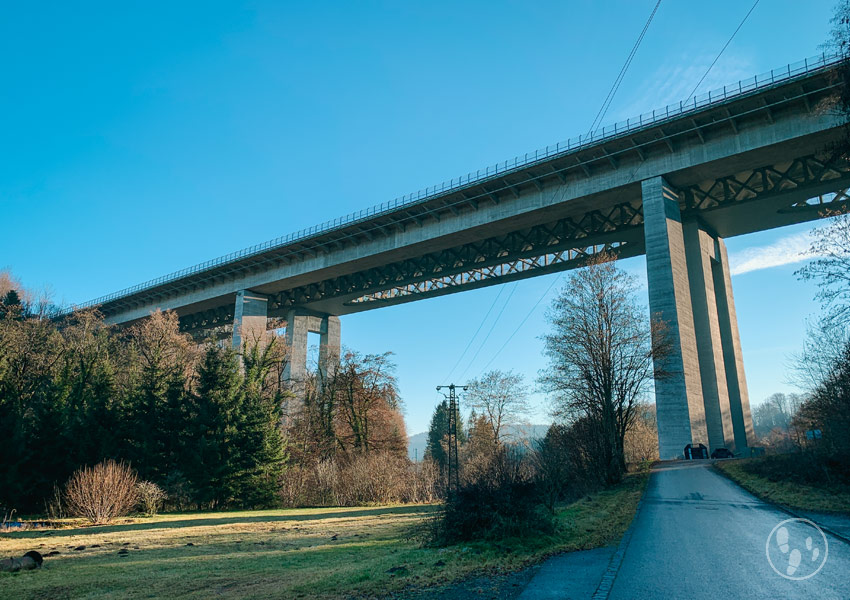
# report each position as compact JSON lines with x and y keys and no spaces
{"x":212,"y":427}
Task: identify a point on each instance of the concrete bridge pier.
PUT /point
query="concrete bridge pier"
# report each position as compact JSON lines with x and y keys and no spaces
{"x":702,"y":395}
{"x":250,"y":317}
{"x":250,"y":322}
{"x":298,"y":325}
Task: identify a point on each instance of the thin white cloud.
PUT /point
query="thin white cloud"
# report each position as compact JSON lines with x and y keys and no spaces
{"x":784,"y":251}
{"x":674,"y":80}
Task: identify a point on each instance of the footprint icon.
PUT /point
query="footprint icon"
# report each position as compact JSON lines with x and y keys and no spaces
{"x":815,"y":552}
{"x":793,"y":561}
{"x":794,"y":565}
{"x":782,"y":540}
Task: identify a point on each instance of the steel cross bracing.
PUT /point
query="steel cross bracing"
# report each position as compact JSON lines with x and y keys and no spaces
{"x":794,"y":175}
{"x":504,"y":272}
{"x":500,"y":257}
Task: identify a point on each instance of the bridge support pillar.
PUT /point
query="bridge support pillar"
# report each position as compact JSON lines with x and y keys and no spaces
{"x":703,"y":396}
{"x":249,"y":319}
{"x":329,"y":346}
{"x":298,"y":326}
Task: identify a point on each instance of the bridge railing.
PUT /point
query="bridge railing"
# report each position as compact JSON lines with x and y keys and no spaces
{"x":698,"y":102}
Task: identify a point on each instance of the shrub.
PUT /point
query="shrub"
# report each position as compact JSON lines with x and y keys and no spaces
{"x":54,"y":507}
{"x":373,"y":478}
{"x":503,"y":502}
{"x":151,"y":497}
{"x":102,"y":492}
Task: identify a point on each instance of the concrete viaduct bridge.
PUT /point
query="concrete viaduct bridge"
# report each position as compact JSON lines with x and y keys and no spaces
{"x":671,"y":184}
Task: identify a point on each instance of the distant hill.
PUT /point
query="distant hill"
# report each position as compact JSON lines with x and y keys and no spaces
{"x":417,"y":443}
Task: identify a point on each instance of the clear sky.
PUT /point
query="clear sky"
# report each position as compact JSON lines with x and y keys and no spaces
{"x":140,"y":138}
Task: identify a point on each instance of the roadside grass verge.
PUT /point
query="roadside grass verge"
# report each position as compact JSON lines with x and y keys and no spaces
{"x":298,"y":553}
{"x":789,"y":480}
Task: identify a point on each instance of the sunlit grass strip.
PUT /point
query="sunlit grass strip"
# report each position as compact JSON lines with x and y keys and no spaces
{"x":786,"y":492}
{"x":302,"y":553}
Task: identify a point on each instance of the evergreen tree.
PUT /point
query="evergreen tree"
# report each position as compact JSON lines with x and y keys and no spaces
{"x":11,"y":306}
{"x":214,"y":446}
{"x":260,"y":440}
{"x":438,"y":434}
{"x":86,"y":387}
{"x":159,"y":390}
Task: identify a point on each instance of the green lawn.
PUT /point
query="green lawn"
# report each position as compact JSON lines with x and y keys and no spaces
{"x":298,"y":553}
{"x":776,"y":479}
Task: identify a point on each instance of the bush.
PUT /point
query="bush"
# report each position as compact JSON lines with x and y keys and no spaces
{"x":503,"y":502}
{"x":373,"y":478}
{"x":103,"y":492}
{"x":151,"y":497}
{"x":568,"y":464}
{"x":806,"y":468}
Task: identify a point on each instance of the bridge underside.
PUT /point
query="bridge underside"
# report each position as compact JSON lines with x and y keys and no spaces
{"x":766,"y":197}
{"x":673,"y":191}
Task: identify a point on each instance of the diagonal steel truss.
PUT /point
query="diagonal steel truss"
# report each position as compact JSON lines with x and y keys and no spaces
{"x":504,"y":271}
{"x":797,"y":174}
{"x":509,"y":255}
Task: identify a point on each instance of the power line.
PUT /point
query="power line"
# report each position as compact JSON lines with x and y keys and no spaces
{"x":598,"y":119}
{"x":521,"y":323}
{"x":474,"y":335}
{"x":492,"y":327}
{"x":726,"y":45}
{"x":603,"y":110}
{"x":599,"y":116}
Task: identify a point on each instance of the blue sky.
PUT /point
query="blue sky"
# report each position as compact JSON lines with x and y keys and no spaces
{"x":140,"y":138}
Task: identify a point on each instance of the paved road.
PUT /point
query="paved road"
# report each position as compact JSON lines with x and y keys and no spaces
{"x":698,"y":535}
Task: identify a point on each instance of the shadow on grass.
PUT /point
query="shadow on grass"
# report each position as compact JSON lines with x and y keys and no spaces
{"x":223,"y":520}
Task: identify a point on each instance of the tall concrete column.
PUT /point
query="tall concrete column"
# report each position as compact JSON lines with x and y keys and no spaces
{"x":249,"y":318}
{"x":701,"y":250}
{"x":703,"y":398}
{"x":297,"y":328}
{"x":678,"y":394}
{"x":329,"y":345}
{"x":736,"y":381}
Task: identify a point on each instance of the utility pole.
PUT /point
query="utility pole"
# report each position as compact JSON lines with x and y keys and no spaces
{"x":453,"y":462}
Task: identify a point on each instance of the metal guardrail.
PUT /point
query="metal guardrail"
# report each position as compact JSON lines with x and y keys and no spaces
{"x":700,"y":101}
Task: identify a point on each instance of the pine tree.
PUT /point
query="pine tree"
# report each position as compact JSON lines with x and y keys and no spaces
{"x":438,"y":434}
{"x":212,"y":445}
{"x":260,"y":440}
{"x":160,"y":363}
{"x":11,"y":306}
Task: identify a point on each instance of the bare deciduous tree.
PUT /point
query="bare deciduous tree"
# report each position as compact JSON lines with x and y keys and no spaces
{"x":830,"y":268}
{"x":368,"y":415}
{"x":601,"y":350}
{"x":102,"y":492}
{"x":503,"y":399}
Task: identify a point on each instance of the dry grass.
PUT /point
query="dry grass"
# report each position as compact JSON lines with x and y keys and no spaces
{"x":300,"y":553}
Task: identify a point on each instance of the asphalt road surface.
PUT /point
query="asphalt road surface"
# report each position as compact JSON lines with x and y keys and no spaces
{"x":698,"y":535}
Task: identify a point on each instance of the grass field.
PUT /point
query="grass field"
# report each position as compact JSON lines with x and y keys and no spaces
{"x":298,"y":553}
{"x":766,"y":481}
